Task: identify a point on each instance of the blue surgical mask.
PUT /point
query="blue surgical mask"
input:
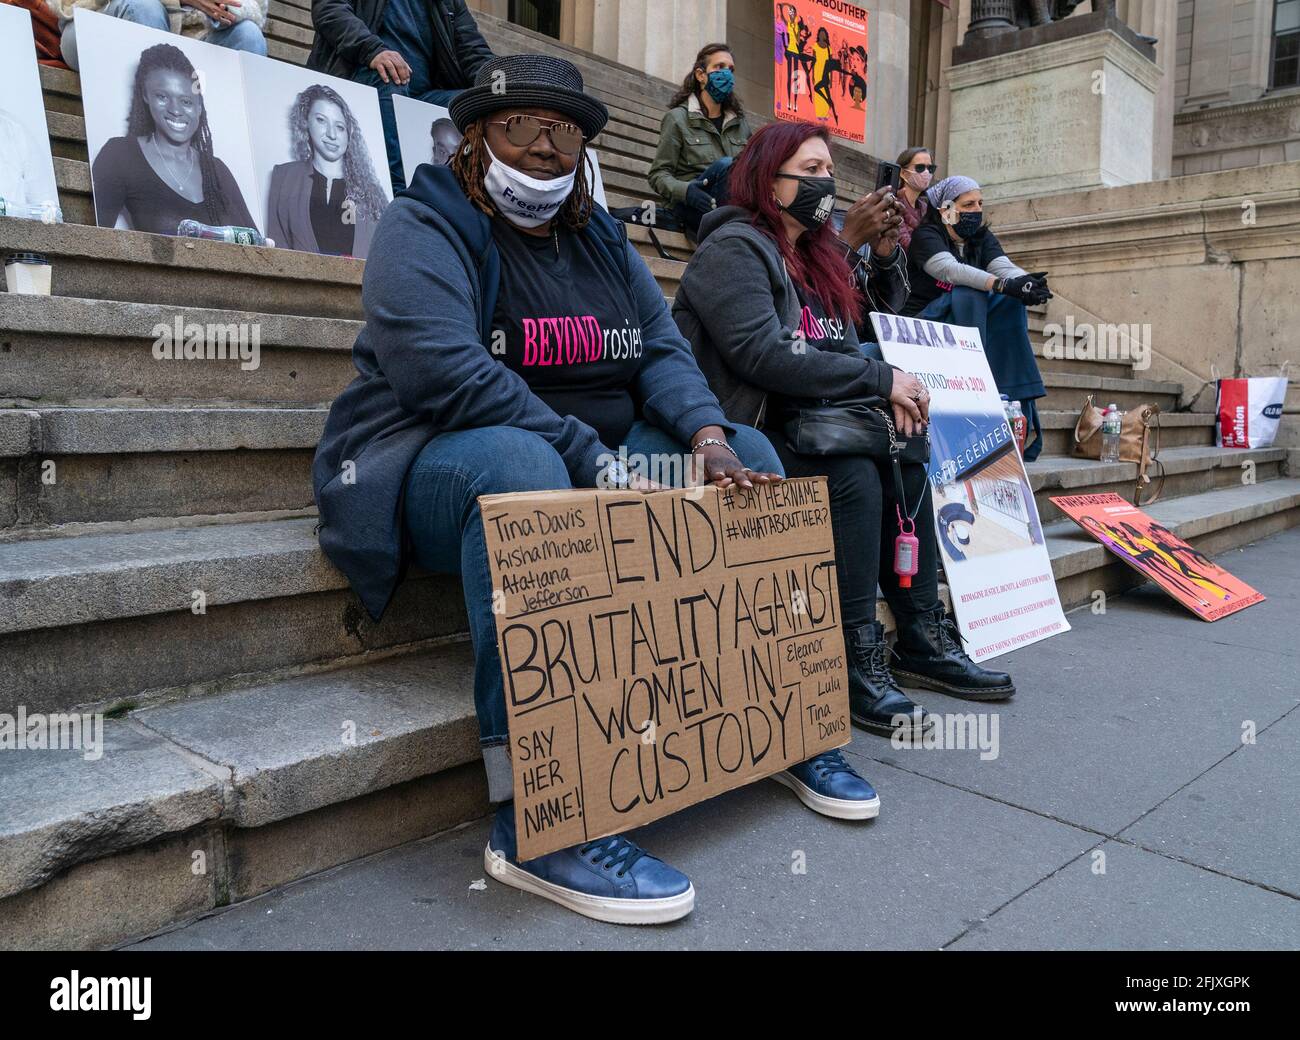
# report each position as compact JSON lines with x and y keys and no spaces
{"x":968,"y":225}
{"x":720,"y":85}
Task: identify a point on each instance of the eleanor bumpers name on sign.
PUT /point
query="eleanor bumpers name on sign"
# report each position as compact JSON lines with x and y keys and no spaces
{"x":658,"y":649}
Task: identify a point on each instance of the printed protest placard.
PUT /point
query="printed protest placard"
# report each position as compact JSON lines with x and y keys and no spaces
{"x":659,"y":649}
{"x":820,"y":55}
{"x":1191,"y":577}
{"x":990,"y":537}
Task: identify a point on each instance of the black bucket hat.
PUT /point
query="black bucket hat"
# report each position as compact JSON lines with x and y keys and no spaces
{"x":529,"y":81}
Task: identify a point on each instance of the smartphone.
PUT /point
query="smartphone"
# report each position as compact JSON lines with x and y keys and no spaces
{"x":887,"y":176}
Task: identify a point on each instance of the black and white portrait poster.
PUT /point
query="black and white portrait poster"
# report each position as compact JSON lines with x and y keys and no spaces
{"x":165,"y":128}
{"x":427,"y":135}
{"x":318,"y":149}
{"x":425,"y":132}
{"x":27,"y":186}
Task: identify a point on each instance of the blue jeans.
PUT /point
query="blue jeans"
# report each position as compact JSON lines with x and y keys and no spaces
{"x":1003,"y":325}
{"x":446,"y":529}
{"x":242,"y":36}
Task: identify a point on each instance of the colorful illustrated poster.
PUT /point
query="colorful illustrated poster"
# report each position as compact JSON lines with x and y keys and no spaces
{"x":820,"y":55}
{"x":990,"y":538}
{"x":26,"y":167}
{"x":1191,"y":577}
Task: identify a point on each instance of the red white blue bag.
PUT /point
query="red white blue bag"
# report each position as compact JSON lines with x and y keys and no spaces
{"x":1249,"y":411}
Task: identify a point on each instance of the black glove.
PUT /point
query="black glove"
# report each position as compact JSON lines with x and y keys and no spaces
{"x":1024,"y":288}
{"x":699,"y":199}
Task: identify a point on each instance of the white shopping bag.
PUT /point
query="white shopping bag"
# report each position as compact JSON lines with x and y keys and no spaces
{"x":1249,"y":411}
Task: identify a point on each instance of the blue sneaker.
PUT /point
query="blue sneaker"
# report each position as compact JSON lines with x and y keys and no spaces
{"x":828,"y":785}
{"x":610,"y":879}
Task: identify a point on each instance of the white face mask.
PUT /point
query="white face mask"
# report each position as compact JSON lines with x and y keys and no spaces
{"x":523,"y":200}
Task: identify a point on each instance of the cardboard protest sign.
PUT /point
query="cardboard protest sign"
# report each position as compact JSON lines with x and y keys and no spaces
{"x":659,"y":649}
{"x":1191,"y":577}
{"x":990,"y":537}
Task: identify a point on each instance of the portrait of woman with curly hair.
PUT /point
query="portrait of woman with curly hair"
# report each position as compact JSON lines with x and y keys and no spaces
{"x":328,"y":199}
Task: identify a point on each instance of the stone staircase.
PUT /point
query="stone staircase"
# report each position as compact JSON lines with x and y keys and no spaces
{"x":259,"y":727}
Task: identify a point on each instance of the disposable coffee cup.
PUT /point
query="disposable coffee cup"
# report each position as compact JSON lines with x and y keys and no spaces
{"x":28,"y":273}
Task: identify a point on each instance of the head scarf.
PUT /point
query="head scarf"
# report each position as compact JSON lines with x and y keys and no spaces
{"x":948,"y":189}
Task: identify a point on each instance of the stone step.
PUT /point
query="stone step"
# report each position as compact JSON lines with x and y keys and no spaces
{"x":1067,"y":391}
{"x":63,"y":350}
{"x":150,"y":464}
{"x":265,"y":780}
{"x":1188,"y":471}
{"x":292,"y":53}
{"x":108,"y":619}
{"x":91,"y":465}
{"x":123,"y":462}
{"x":94,"y":263}
{"x":1177,"y":430}
{"x":289,"y":25}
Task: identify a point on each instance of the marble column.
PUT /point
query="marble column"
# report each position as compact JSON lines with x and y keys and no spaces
{"x":889,"y":47}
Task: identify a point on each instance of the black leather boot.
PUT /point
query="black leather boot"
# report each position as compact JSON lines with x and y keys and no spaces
{"x":874,"y":697}
{"x":930,"y":656}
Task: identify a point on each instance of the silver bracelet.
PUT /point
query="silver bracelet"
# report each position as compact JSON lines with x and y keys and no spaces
{"x":714,"y":440}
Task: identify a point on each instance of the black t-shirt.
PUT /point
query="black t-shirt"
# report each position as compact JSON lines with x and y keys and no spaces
{"x":123,"y":179}
{"x":334,"y":234}
{"x":930,"y":238}
{"x":571,"y":326}
{"x":820,"y":333}
{"x":718,"y":120}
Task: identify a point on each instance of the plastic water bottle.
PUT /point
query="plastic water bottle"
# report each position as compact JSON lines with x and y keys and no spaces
{"x":1111,"y":424}
{"x":47,"y":213}
{"x":240,"y":236}
{"x":1019,"y":425}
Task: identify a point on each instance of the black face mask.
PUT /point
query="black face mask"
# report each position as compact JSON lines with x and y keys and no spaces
{"x":813,"y":201}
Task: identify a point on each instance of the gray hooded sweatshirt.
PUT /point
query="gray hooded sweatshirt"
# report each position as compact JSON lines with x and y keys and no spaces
{"x":739,"y":309}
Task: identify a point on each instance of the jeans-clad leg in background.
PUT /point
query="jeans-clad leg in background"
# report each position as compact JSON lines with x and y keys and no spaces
{"x":149,"y":13}
{"x":406,"y":29}
{"x":242,"y":36}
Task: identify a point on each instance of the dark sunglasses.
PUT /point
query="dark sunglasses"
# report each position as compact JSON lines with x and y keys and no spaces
{"x":521,"y":131}
{"x":923,"y":168}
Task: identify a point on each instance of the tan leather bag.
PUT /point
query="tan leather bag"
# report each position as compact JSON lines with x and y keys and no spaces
{"x":1139,"y":441}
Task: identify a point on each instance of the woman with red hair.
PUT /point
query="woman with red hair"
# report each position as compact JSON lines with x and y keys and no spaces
{"x":769,"y":305}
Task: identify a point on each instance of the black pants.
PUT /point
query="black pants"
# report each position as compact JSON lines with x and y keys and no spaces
{"x":865,"y":526}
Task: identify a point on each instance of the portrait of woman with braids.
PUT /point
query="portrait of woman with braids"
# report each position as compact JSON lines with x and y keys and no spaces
{"x":164,"y":170}
{"x":328,"y":199}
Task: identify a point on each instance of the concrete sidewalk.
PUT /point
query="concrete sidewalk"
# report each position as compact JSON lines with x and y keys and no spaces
{"x":1124,"y":740}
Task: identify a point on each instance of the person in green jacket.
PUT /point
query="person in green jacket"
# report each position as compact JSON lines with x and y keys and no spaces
{"x":705,"y":129}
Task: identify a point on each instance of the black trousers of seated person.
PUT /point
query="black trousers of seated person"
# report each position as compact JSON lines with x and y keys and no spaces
{"x":865,"y":526}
